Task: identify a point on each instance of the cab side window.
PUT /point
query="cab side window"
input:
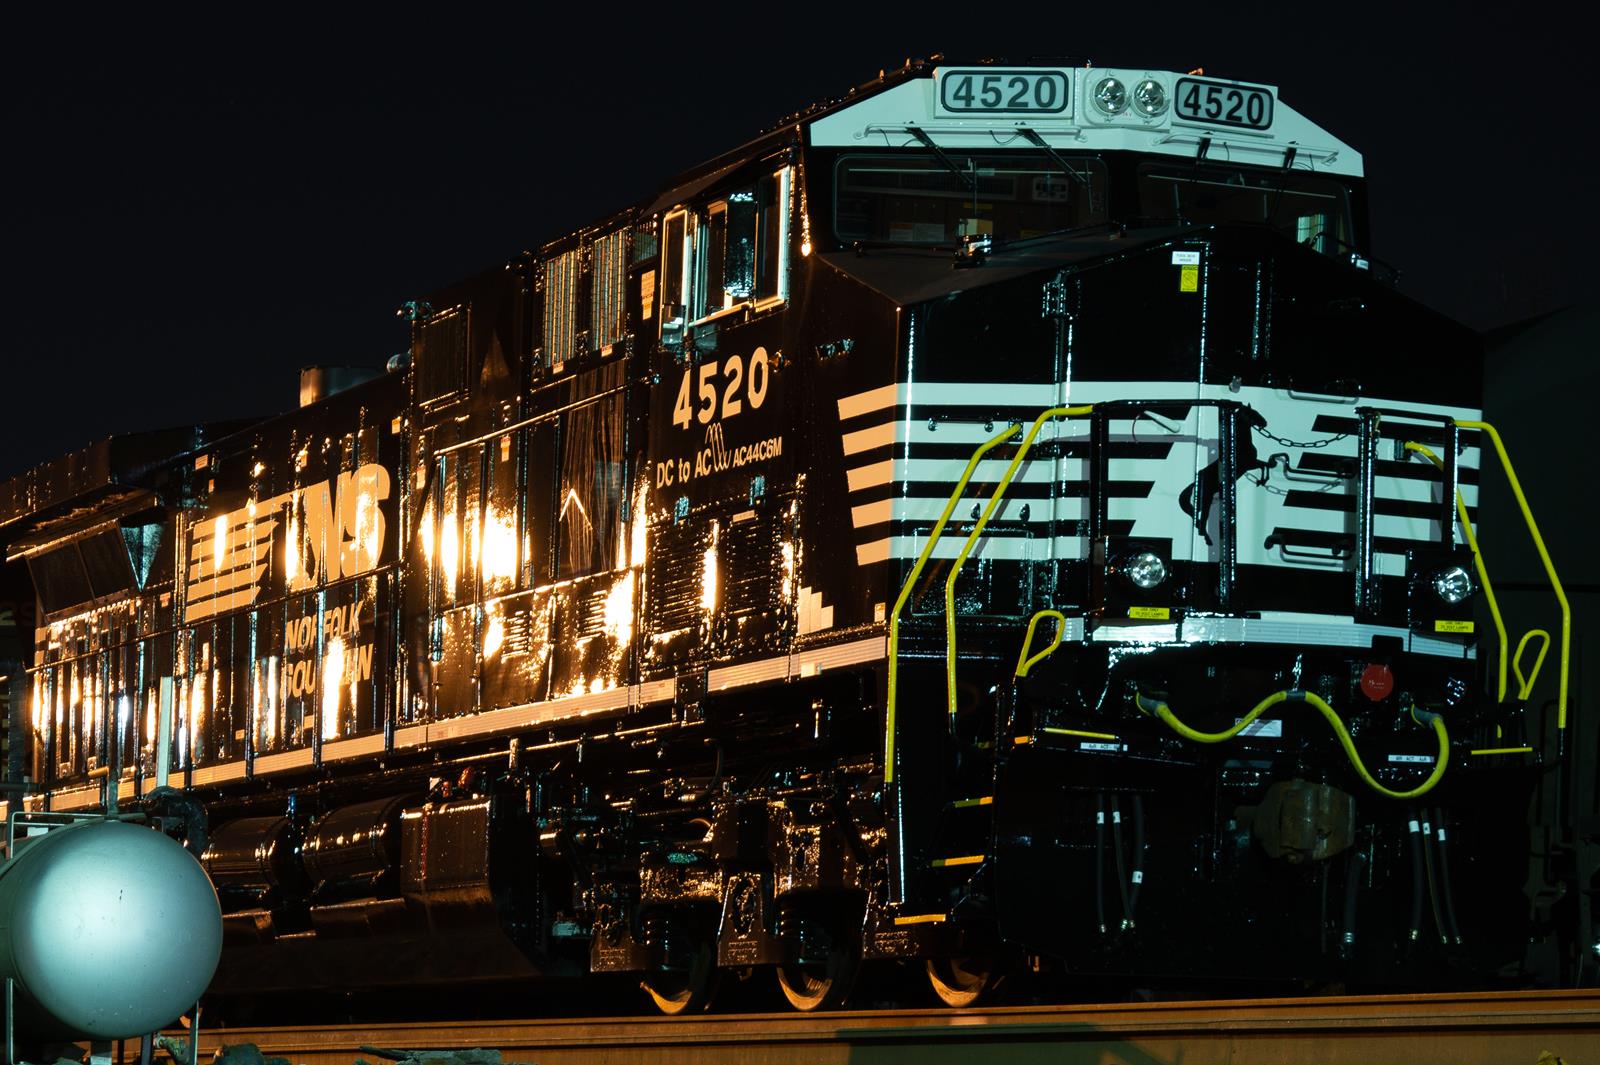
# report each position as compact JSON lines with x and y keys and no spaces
{"x":727,"y":254}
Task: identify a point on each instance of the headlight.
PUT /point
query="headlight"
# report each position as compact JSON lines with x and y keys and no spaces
{"x":1150,"y":97}
{"x":1111,"y":96}
{"x":1145,"y":569}
{"x":1453,"y":584}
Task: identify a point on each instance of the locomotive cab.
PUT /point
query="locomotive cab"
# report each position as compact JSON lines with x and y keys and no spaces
{"x":1153,"y":397}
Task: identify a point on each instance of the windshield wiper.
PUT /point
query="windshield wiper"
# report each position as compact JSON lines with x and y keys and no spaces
{"x":1054,"y":234}
{"x":861,"y":247}
{"x":949,"y":163}
{"x":1386,"y":271}
{"x":1037,"y":141}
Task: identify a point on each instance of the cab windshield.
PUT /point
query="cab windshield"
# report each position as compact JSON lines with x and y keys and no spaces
{"x":921,"y":197}
{"x":1313,"y":210}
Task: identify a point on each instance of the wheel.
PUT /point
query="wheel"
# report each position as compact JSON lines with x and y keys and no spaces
{"x":824,"y":984}
{"x":827,"y":937}
{"x":963,"y":981}
{"x":688,"y":985}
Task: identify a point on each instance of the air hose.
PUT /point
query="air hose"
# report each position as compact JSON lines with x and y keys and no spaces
{"x":1122,"y":868}
{"x":1414,"y":838}
{"x":1445,"y":891}
{"x":1160,"y":709}
{"x":1100,"y":861}
{"x":1352,"y":889}
{"x":1433,"y":880}
{"x":1138,"y":855}
{"x":1128,"y":881}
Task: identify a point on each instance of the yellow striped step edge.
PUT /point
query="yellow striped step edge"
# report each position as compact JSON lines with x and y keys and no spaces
{"x":982,"y":800}
{"x":920,"y":918}
{"x":965,"y":859}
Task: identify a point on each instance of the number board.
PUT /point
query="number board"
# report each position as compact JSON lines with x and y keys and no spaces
{"x":1224,"y":104}
{"x":987,"y":91}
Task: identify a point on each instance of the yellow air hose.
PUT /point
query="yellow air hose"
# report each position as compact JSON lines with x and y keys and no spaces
{"x":1160,"y":709}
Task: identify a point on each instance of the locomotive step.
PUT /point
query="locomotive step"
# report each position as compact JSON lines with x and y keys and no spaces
{"x":921,"y":918}
{"x":964,"y":859}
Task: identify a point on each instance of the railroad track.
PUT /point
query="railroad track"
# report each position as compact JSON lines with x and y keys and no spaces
{"x":1492,"y":1028}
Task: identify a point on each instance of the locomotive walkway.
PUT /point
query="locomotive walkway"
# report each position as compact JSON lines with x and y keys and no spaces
{"x":1500,"y":1028}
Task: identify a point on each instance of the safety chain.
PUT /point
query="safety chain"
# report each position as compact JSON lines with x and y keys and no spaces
{"x":1303,"y":444}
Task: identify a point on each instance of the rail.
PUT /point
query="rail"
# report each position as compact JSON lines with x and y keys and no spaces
{"x":1465,"y":521}
{"x":1549,"y":567}
{"x":1473,"y":1028}
{"x":1026,"y":661}
{"x":977,"y":531}
{"x":893,"y":649}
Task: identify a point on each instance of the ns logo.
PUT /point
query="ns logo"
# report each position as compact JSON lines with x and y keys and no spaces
{"x":334,"y":530}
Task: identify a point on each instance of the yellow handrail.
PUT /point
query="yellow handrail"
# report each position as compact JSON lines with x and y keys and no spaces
{"x":911,"y":580}
{"x":1477,"y":560}
{"x":1525,"y":684}
{"x":977,"y":531}
{"x":1160,"y":709}
{"x":1024,"y":663}
{"x":1052,"y":730}
{"x":1544,"y":557}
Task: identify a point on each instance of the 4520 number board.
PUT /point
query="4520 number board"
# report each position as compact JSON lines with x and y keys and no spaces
{"x":1224,"y":104}
{"x":986,"y":91}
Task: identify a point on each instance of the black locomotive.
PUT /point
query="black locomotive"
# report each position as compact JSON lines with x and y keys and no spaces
{"x":997,"y":519}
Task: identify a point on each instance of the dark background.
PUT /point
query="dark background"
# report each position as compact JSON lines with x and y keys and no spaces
{"x":194,"y":208}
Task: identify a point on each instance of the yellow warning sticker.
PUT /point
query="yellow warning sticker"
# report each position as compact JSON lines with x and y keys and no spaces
{"x":1188,"y":279}
{"x":1149,"y":613}
{"x":1452,"y":626}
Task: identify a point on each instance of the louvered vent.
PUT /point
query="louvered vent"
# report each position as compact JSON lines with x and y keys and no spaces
{"x":440,"y":356}
{"x":749,"y":557}
{"x":676,"y":576}
{"x":610,"y":276}
{"x":591,"y":613}
{"x":518,"y":634}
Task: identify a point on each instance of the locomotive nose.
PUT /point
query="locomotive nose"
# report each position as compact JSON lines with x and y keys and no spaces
{"x":109,"y":930}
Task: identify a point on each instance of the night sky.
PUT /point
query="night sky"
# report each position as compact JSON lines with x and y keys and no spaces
{"x":194,"y":210}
